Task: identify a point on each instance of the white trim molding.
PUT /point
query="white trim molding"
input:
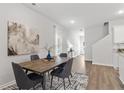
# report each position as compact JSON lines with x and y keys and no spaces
{"x":7,"y":84}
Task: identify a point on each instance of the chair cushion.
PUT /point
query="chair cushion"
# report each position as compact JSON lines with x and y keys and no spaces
{"x":35,"y":77}
{"x":57,"y":72}
{"x":62,"y":65}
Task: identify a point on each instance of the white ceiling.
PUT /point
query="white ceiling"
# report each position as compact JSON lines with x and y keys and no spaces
{"x":84,"y":14}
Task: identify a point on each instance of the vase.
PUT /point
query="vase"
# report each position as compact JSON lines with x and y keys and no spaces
{"x":48,"y":56}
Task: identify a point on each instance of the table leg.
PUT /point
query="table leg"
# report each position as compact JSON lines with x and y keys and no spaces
{"x":26,"y":71}
{"x":44,"y":81}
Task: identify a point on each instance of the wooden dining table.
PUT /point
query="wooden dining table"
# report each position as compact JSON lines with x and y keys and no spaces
{"x":41,"y":66}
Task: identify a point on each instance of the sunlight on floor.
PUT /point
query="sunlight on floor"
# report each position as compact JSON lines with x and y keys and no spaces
{"x":79,"y":64}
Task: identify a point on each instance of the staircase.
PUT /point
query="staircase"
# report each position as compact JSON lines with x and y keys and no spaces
{"x":102,"y":49}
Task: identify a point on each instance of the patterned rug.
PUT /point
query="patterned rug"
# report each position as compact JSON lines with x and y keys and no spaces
{"x":79,"y":81}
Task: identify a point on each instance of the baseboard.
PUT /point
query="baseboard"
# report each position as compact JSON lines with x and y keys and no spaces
{"x":88,"y":60}
{"x":103,"y":64}
{"x":7,"y":84}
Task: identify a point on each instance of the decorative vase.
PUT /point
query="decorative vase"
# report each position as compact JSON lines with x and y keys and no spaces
{"x":49,"y":56}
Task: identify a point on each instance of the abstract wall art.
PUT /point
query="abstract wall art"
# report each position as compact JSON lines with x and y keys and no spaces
{"x":21,"y":39}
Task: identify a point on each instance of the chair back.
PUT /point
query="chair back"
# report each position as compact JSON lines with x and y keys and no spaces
{"x":34,"y":57}
{"x":63,"y":55}
{"x":67,"y":68}
{"x":22,"y":80}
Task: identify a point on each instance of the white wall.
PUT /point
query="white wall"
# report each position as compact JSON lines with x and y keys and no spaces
{"x":102,"y":51}
{"x":118,"y":34}
{"x":59,"y":39}
{"x":115,"y":25}
{"x":92,"y":35}
{"x":23,"y":15}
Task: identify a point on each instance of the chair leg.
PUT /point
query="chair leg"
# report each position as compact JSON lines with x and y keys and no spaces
{"x":49,"y":75}
{"x":42,"y":84}
{"x":33,"y":87}
{"x":64,"y":83}
{"x":69,"y":80}
{"x":26,"y":71}
{"x":71,"y":75}
{"x":51,"y":81}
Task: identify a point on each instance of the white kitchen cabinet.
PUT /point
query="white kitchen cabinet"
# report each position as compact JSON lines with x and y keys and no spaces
{"x":121,"y":67}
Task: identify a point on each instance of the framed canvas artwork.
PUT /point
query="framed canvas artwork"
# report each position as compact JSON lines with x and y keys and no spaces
{"x":21,"y":40}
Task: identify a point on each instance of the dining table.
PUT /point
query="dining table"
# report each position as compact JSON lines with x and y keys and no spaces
{"x":41,"y":66}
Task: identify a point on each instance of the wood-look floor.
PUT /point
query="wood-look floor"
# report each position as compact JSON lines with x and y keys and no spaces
{"x":100,"y":77}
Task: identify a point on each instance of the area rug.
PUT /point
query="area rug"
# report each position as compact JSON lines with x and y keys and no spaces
{"x":79,"y":81}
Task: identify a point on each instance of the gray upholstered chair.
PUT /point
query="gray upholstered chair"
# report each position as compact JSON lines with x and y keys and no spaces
{"x":63,"y":73}
{"x":34,"y":57}
{"x":63,"y":55}
{"x":25,"y":81}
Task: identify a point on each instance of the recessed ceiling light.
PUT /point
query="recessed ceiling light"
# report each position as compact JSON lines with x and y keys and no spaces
{"x":72,"y":21}
{"x":33,"y":3}
{"x":120,"y":12}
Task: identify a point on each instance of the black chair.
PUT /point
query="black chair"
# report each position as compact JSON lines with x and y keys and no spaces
{"x":34,"y":57}
{"x":63,"y":73}
{"x":62,"y":55}
{"x":25,"y":81}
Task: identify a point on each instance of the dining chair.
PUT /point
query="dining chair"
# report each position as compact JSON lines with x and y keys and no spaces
{"x":34,"y":57}
{"x":63,"y":73}
{"x":25,"y":81}
{"x":63,"y":55}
